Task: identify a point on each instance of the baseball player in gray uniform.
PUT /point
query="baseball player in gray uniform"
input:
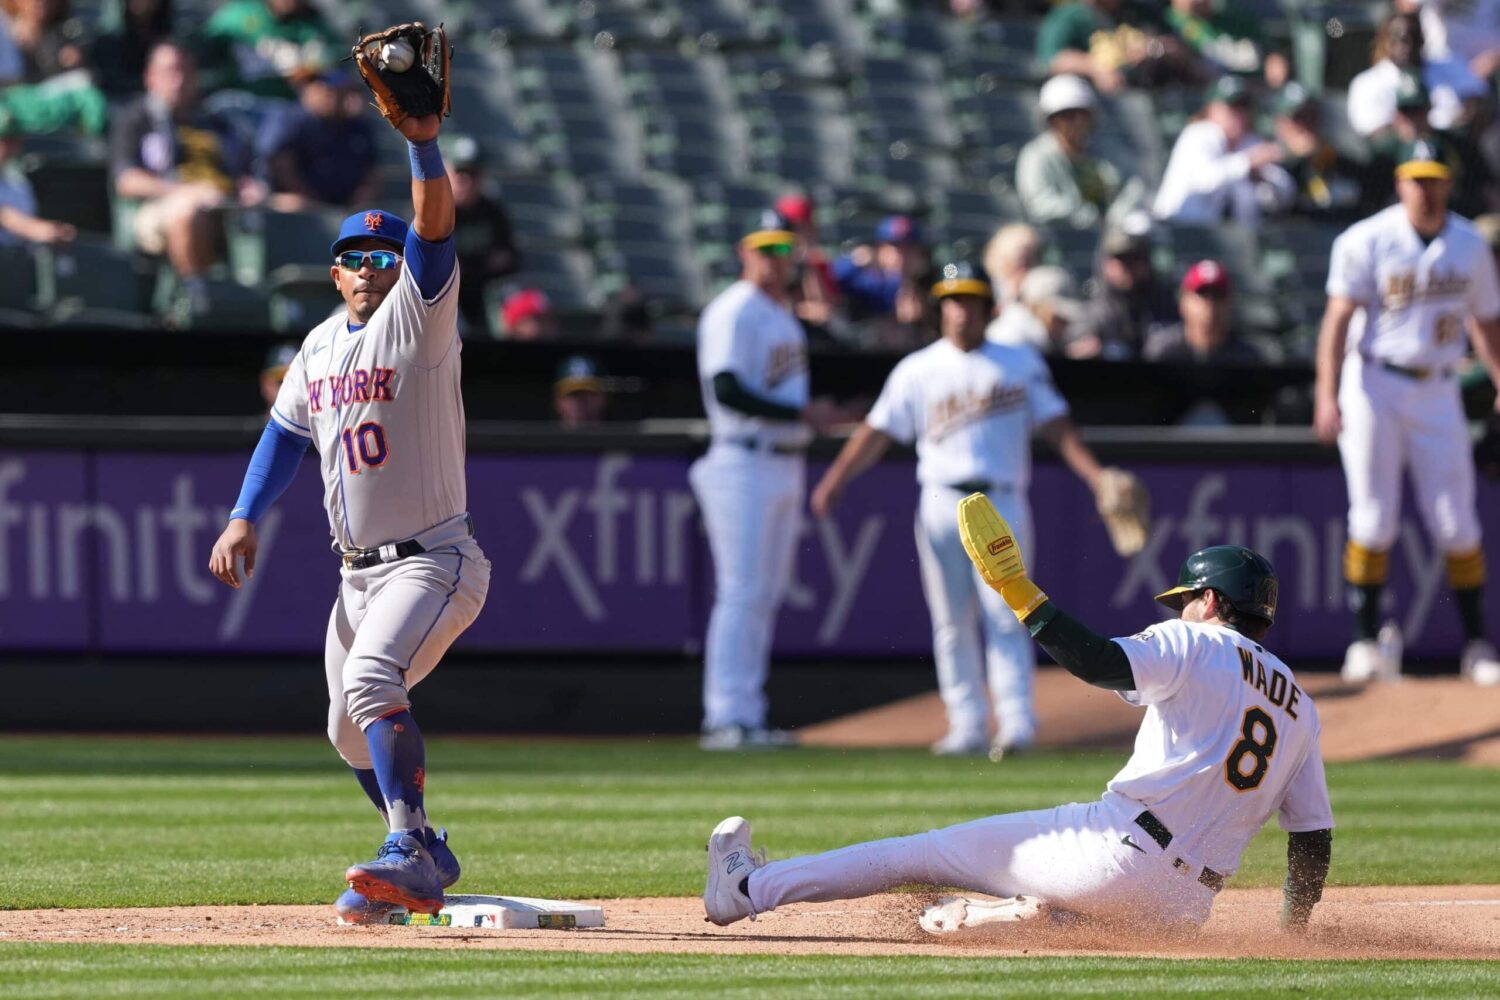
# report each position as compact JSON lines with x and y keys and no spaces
{"x":971,"y":406}
{"x":375,"y":389}
{"x":752,"y":361}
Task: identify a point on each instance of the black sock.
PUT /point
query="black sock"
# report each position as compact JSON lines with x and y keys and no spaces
{"x":1365,"y":602}
{"x":745,"y":886}
{"x":1471,"y":610}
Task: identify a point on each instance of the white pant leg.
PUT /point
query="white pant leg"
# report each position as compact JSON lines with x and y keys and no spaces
{"x":950,"y":585}
{"x":414,"y":609}
{"x":1442,"y":466}
{"x":1372,"y":447}
{"x":345,"y":736}
{"x":1010,"y":655}
{"x":751,"y":506}
{"x":1071,"y":856}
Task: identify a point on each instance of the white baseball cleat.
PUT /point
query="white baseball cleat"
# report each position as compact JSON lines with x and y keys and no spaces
{"x":954,"y":913}
{"x":730,"y":862}
{"x":1480,"y":663}
{"x":959,"y":745}
{"x":745,"y":738}
{"x":1388,"y":639}
{"x":1366,"y":661}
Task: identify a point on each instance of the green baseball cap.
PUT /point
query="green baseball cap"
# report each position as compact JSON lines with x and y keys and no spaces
{"x":1231,"y":90}
{"x":1411,"y":92}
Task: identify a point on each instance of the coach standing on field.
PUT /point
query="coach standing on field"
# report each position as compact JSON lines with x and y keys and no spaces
{"x":752,"y":362}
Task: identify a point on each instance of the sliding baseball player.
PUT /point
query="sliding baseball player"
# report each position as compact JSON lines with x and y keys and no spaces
{"x":1228,"y":739}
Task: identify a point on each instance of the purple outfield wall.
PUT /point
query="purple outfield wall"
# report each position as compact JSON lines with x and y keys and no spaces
{"x":107,"y":552}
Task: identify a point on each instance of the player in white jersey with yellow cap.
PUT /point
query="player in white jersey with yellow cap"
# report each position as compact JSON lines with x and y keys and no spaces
{"x":971,"y":406}
{"x":1228,"y":739}
{"x":752,"y":362}
{"x":376,"y":390}
{"x":1405,"y":288}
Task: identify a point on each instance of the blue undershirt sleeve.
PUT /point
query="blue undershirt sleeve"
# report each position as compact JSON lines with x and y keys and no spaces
{"x":431,"y":264}
{"x":272,"y":468}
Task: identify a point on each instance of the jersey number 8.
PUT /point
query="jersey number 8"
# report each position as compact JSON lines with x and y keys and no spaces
{"x":1245,"y":767}
{"x":365,"y":445}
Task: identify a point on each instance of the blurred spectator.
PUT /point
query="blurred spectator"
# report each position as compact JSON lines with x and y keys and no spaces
{"x":176,"y":165}
{"x":1129,"y":302}
{"x":815,"y":290}
{"x":1327,"y":182}
{"x":1412,"y":137}
{"x":19,"y":222}
{"x":1099,"y":40}
{"x":527,"y":315}
{"x":1228,"y":40}
{"x":1398,"y":49}
{"x":1057,"y":179}
{"x":1465,"y":30}
{"x":266,"y":46}
{"x":44,"y":59}
{"x":578,"y":394}
{"x":49,"y":39}
{"x":627,"y":317}
{"x":883,"y":280}
{"x":1204,"y":336}
{"x":1013,"y":250}
{"x":1220,"y":169}
{"x":128,"y":30}
{"x":273,"y":372}
{"x":1046,"y":316}
{"x":315,"y":153}
{"x":482,"y":232}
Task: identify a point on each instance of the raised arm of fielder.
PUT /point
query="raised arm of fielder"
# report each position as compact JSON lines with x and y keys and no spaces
{"x":1103,"y":663}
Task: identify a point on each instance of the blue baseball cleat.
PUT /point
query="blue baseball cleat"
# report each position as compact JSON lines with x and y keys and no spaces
{"x":403,"y":873}
{"x":353,"y":908}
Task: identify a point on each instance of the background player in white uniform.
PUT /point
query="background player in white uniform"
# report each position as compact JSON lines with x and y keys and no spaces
{"x":375,"y":389}
{"x":971,"y":406}
{"x":1228,"y":739}
{"x":1403,"y":287}
{"x":752,"y":360}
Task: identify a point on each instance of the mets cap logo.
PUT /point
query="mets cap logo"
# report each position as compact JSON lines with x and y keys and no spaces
{"x":373,"y":221}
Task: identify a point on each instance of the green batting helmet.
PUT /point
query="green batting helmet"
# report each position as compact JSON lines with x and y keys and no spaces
{"x":1246,"y":580}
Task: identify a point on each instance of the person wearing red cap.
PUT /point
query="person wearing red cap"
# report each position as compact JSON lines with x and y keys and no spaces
{"x":1204,"y":336}
{"x":527,"y":315}
{"x":815,"y":292}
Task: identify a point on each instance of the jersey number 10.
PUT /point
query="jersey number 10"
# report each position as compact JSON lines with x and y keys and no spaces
{"x":364,"y":446}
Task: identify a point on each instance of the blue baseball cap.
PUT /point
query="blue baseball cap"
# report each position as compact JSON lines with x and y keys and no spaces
{"x":898,"y":229}
{"x":372,"y":225}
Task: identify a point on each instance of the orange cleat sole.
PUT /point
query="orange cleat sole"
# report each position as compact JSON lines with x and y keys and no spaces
{"x":379,"y":890}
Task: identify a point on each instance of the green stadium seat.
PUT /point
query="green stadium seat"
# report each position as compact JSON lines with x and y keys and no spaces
{"x":259,"y":241}
{"x":88,"y":275}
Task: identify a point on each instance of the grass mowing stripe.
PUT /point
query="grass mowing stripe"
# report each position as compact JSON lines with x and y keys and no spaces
{"x":61,"y":970}
{"x":177,"y":820}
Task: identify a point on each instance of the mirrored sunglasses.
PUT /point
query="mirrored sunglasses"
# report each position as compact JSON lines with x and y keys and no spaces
{"x":380,"y":260}
{"x":776,"y":250}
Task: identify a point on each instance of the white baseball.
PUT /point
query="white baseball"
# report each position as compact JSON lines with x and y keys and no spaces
{"x":397,"y":56}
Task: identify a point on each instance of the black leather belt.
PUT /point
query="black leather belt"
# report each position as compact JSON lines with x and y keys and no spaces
{"x":759,"y":444}
{"x":365,"y":558}
{"x":980,"y":486}
{"x":1157,"y":831}
{"x":1416,"y":374}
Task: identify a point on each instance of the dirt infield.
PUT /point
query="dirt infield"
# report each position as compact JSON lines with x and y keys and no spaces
{"x":1458,"y":720}
{"x":1407,"y":922}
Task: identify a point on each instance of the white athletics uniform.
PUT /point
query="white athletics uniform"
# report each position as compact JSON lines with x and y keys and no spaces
{"x":1398,"y":397}
{"x":1228,"y":739}
{"x":971,"y":414}
{"x":383,"y":408}
{"x":749,"y":487}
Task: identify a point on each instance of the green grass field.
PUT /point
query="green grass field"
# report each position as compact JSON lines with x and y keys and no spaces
{"x":159,"y":821}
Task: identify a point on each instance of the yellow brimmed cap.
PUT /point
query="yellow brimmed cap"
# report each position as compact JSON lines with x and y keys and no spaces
{"x":962,"y":278}
{"x":1423,"y":170}
{"x":769,"y":238}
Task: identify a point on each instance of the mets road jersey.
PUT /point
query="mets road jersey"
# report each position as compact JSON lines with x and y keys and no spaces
{"x":747,"y":332}
{"x":383,"y":407}
{"x":1228,"y":739}
{"x":1414,"y":294}
{"x":970,"y":412}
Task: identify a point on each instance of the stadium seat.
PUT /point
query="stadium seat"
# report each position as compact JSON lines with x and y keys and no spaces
{"x":567,"y":276}
{"x":260,"y":241}
{"x":74,"y":190}
{"x":299,"y":297}
{"x":89,"y":275}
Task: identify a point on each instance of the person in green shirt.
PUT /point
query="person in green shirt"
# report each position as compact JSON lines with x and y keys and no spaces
{"x":1057,"y":179}
{"x":265,"y":47}
{"x":1228,"y":41}
{"x":1113,"y":45}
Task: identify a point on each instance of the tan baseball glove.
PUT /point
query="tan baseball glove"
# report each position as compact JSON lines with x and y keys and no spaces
{"x":1122,"y":501}
{"x":413,"y":91}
